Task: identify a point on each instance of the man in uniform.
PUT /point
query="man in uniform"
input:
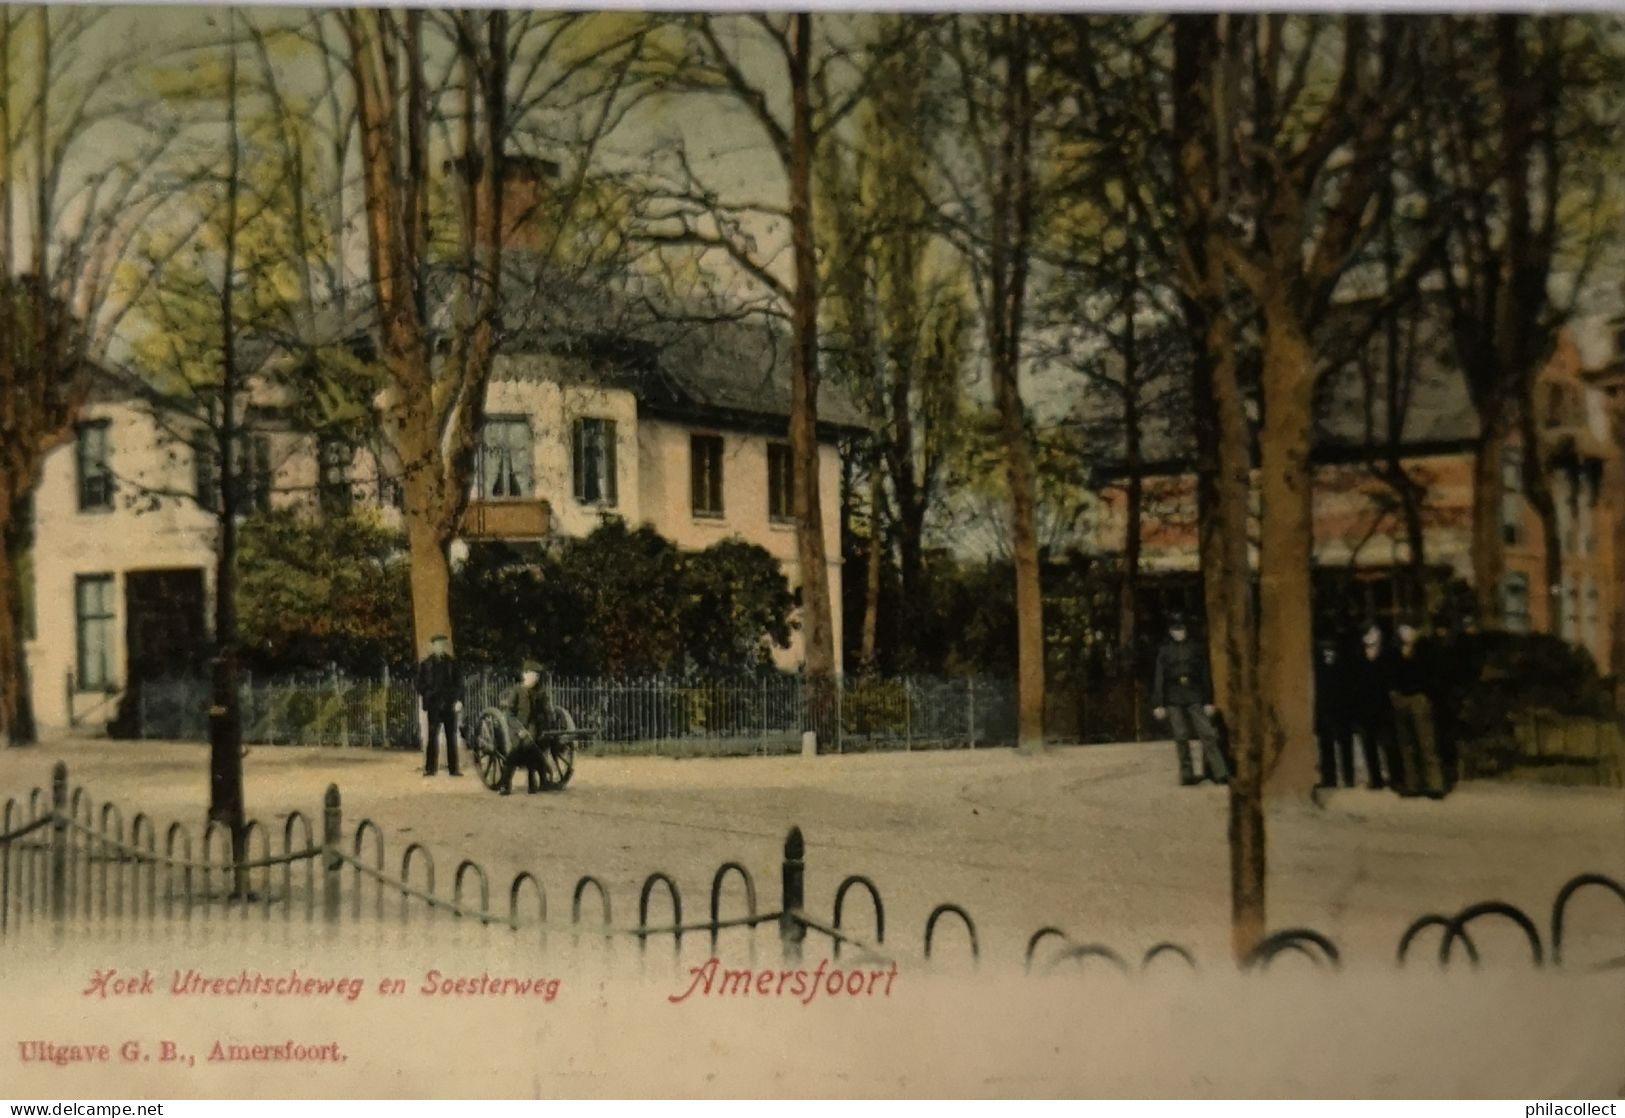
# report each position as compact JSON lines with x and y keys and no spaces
{"x":1182,"y":693}
{"x":1333,"y":718}
{"x":533,"y":708}
{"x":440,"y":690}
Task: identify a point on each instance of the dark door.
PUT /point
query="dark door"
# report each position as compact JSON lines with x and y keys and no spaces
{"x":164,"y":628}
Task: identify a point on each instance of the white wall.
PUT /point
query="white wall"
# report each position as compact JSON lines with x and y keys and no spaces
{"x":663,"y":448}
{"x":147,"y":530}
{"x":139,"y":533}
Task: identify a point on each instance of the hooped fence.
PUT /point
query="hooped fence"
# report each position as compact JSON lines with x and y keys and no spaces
{"x":63,"y":858}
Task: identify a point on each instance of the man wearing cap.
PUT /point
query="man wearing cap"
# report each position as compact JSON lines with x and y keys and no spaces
{"x":1182,"y":693}
{"x":533,"y":708}
{"x":440,"y":690}
{"x":1334,"y":717}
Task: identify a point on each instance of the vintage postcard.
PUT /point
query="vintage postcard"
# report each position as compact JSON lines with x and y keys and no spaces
{"x":811,"y":554}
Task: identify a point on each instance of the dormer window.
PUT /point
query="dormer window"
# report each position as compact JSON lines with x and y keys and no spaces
{"x":94,"y":461}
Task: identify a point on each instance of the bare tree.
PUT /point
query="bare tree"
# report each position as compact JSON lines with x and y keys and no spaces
{"x":1224,"y":451}
{"x":62,"y":294}
{"x":1517,"y":157}
{"x":817,"y":85}
{"x":993,"y":213}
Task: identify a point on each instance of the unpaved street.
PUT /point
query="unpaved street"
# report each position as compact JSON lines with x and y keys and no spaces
{"x":1096,"y":840}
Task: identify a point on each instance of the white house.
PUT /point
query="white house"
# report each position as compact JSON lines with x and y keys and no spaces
{"x":691,"y":441}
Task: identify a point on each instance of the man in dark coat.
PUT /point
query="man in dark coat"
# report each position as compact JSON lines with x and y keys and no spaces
{"x":1371,"y":686}
{"x":1457,"y":663}
{"x":440,"y":690}
{"x":1415,"y":673}
{"x":532,"y":706}
{"x":1334,"y":717}
{"x":1182,"y":693}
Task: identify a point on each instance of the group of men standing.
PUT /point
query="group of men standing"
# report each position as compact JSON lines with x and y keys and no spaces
{"x":1395,"y":699}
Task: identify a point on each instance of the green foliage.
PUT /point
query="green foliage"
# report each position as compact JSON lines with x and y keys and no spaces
{"x":313,"y":593}
{"x":1509,"y":674}
{"x":622,"y":601}
{"x":738,"y":602}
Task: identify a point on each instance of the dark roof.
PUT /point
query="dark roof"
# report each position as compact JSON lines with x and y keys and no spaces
{"x":692,"y":362}
{"x":1435,"y":415}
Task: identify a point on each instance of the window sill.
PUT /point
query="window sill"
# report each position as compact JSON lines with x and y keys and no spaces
{"x":782,"y":523}
{"x":95,"y":510}
{"x":709,"y":517}
{"x":103,"y":692}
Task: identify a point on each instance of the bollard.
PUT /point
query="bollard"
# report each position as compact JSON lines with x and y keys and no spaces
{"x":332,"y":844}
{"x":59,"y":841}
{"x":791,"y":930}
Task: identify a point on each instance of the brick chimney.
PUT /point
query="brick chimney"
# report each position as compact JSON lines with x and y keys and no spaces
{"x":526,"y":184}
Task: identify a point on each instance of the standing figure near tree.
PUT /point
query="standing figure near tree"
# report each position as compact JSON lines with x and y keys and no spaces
{"x":1182,"y":693}
{"x":1414,"y":731}
{"x":1334,"y":717}
{"x":1371,"y":677}
{"x":440,"y":690}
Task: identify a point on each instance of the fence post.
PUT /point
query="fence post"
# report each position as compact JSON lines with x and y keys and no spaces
{"x":970,"y":708}
{"x":908,"y":713}
{"x":332,"y":844}
{"x":59,"y":841}
{"x":791,"y":930}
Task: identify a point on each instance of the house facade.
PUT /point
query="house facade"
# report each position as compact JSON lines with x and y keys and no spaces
{"x":124,"y":551}
{"x":1361,"y":533}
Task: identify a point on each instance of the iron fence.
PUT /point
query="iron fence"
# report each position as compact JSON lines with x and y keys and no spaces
{"x":654,"y":714}
{"x":63,"y":857}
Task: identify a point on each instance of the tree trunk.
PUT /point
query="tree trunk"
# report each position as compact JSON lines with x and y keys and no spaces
{"x":817,"y":626}
{"x":1131,"y":548}
{"x":1011,"y":230}
{"x":1234,"y":639}
{"x":1616,"y":486}
{"x":1411,"y":497}
{"x":1537,"y":486}
{"x":1024,"y":547}
{"x":16,"y":702}
{"x":871,"y":590}
{"x":430,"y":579}
{"x":1225,"y":470}
{"x":1286,"y":557}
{"x":1489,"y":556}
{"x":1209,"y":537}
{"x":1132,"y":449}
{"x":225,"y":721}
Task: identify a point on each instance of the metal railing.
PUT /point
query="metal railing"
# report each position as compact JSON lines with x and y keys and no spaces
{"x":64,"y":859}
{"x":653,"y":714}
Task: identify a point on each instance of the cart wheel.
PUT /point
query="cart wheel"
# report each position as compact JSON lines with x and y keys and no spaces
{"x":563,"y":757}
{"x":491,"y":749}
